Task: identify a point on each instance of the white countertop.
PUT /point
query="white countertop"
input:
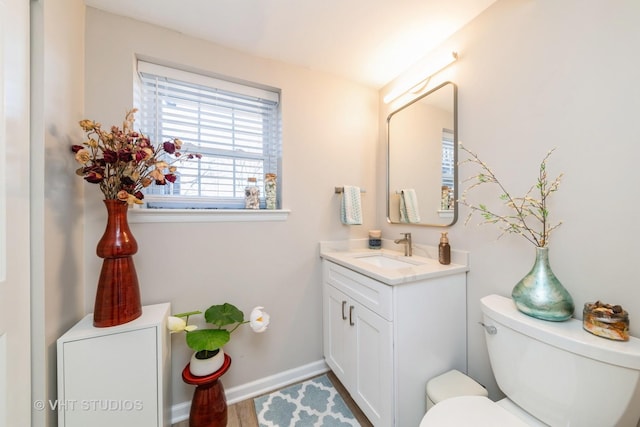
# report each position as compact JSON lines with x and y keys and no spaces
{"x":350,"y":254}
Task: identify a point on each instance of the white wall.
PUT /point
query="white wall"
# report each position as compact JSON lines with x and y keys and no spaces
{"x":534,"y":75}
{"x":329,"y":129}
{"x":57,"y":102}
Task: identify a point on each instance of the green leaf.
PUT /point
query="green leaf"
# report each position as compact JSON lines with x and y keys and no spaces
{"x":190,"y":313}
{"x":222,"y":315}
{"x":207,"y":339}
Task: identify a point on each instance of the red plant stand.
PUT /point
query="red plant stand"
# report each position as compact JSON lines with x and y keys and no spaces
{"x":209,"y":405}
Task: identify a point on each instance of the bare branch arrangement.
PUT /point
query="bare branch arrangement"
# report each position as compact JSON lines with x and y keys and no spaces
{"x":529,"y":215}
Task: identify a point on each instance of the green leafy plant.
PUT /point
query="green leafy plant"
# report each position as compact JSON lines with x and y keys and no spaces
{"x":225,"y":319}
{"x":529,"y":215}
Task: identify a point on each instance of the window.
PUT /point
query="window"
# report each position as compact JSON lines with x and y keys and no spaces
{"x":448,"y":160}
{"x":235,"y":127}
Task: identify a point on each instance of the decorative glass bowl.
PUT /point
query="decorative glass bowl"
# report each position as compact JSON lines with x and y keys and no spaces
{"x":606,"y":320}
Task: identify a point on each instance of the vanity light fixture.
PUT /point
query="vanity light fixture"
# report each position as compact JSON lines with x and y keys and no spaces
{"x":434,"y":68}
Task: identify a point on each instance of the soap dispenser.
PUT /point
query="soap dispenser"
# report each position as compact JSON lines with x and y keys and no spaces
{"x":444,"y":250}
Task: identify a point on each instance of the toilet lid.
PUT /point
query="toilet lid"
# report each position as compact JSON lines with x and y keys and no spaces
{"x":470,"y":411}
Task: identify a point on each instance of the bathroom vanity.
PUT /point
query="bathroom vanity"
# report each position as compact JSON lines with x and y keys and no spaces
{"x":390,"y":324}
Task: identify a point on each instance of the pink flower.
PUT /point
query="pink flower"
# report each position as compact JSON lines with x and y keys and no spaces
{"x":124,"y":155}
{"x":93,"y":177}
{"x":169,"y":147}
{"x":110,"y":156}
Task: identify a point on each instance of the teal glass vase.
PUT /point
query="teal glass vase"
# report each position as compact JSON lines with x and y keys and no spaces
{"x":540,"y":294}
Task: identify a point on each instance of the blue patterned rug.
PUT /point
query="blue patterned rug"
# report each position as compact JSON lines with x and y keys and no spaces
{"x":311,"y":403}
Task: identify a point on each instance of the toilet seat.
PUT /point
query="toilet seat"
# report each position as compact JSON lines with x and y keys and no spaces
{"x":470,"y":411}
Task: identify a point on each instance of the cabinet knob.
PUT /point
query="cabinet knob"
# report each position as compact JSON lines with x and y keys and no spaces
{"x":351,"y":316}
{"x":343,"y":315}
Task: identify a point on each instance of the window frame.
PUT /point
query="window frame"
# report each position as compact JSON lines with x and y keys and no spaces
{"x":448,"y":158}
{"x":203,"y":207}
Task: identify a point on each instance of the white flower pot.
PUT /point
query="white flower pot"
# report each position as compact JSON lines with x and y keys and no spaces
{"x":204,"y":367}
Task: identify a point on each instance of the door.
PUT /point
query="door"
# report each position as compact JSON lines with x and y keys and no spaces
{"x":336,"y":345}
{"x":372,"y":348}
{"x":15,"y":406}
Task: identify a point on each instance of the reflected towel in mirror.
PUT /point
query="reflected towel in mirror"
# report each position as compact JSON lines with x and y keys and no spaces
{"x":351,"y":206}
{"x":409,"y":206}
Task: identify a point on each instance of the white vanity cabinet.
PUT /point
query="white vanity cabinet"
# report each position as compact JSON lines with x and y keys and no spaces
{"x":116,"y":376}
{"x":357,"y":347}
{"x":384,"y":342}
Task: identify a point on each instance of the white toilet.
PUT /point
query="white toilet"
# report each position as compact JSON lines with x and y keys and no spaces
{"x":553,"y":374}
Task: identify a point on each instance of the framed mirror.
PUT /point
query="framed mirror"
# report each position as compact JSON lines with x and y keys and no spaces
{"x":422,"y":158}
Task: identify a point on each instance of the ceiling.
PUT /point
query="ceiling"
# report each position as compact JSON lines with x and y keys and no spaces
{"x":368,"y":41}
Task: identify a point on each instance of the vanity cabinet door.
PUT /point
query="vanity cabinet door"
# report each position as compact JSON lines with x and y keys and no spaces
{"x":336,"y":331}
{"x":372,"y":346}
{"x":358,"y":348}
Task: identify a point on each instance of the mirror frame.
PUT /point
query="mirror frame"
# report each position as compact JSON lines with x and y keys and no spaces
{"x":455,"y":156}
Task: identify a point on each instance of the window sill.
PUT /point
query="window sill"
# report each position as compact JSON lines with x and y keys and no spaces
{"x":141,"y":215}
{"x":448,"y":213}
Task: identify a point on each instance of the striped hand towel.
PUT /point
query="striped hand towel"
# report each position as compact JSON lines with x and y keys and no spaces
{"x":409,"y":206}
{"x":351,"y":209}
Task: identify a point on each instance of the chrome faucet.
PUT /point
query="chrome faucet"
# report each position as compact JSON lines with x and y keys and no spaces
{"x":408,"y":250}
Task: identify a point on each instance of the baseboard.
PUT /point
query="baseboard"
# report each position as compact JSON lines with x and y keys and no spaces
{"x":180,"y":411}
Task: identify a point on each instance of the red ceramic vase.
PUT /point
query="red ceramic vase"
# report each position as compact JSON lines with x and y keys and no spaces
{"x":118,"y":295}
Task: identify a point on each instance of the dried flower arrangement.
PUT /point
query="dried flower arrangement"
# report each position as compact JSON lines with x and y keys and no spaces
{"x":123,"y":161}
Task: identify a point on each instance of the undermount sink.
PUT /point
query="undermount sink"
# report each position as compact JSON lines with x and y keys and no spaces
{"x":390,"y":267}
{"x":383,"y":261}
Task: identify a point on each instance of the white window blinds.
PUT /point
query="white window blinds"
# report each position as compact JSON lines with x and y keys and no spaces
{"x":235,"y":127}
{"x":448,"y":158}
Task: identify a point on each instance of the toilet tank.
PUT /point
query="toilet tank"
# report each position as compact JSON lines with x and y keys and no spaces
{"x":560,"y":373}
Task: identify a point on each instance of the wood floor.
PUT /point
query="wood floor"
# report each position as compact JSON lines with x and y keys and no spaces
{"x":243,"y":414}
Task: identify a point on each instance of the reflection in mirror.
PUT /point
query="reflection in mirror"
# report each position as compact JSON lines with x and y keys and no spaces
{"x":422,"y":160}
